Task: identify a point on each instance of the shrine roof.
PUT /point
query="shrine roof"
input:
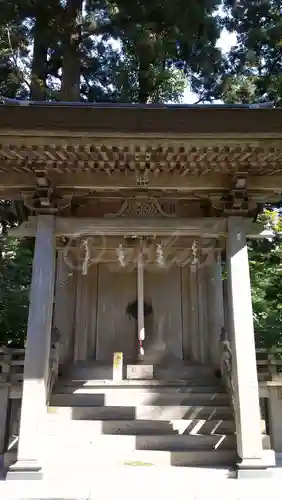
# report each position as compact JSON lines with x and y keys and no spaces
{"x":108,"y":147}
{"x":21,"y":116}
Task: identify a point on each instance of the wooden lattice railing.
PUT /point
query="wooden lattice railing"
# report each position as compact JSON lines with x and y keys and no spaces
{"x":12,"y":364}
{"x":269,"y":363}
{"x":11,"y":375}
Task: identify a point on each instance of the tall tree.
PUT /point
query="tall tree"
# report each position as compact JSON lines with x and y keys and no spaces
{"x":71,"y":31}
{"x":157,"y":36}
{"x":44,"y":30}
{"x":253,"y":70}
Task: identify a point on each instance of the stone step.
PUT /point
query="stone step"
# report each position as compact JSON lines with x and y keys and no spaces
{"x":184,"y":371}
{"x":202,"y":383}
{"x":163,"y":442}
{"x":123,"y":476}
{"x":185,"y":386}
{"x":181,"y":370}
{"x":137,"y":427}
{"x":116,"y":397}
{"x":168,"y":442}
{"x":72,"y":457}
{"x":146,"y":412}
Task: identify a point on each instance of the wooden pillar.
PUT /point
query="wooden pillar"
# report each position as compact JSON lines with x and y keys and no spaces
{"x":186,"y":313}
{"x":194,"y":303}
{"x":215,"y":308}
{"x":64,"y":307}
{"x":225,"y":308}
{"x":4,"y":404}
{"x":275,"y":414}
{"x":4,"y":401}
{"x":37,"y":353}
{"x":244,"y":368}
{"x":81,"y":321}
{"x":140,"y":300}
{"x":202,"y":312}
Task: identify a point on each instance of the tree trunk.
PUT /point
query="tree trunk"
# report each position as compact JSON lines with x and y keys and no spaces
{"x":39,"y":60}
{"x":70,"y":87}
{"x":146,"y":61}
{"x":144,"y":82}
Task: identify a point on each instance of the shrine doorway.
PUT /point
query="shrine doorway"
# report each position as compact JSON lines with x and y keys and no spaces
{"x":116,"y":329}
{"x":163,"y":327}
{"x":117,"y":315}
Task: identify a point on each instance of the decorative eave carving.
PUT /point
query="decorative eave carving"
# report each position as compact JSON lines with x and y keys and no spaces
{"x":142,"y":180}
{"x":145,"y":156}
{"x":144,"y":206}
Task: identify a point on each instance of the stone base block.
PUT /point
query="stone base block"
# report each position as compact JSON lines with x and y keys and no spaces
{"x":140,"y":371}
{"x":25,"y":470}
{"x":257,"y":468}
{"x":254,"y":473}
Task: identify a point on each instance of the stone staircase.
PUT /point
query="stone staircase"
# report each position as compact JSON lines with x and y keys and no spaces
{"x":181,"y":418}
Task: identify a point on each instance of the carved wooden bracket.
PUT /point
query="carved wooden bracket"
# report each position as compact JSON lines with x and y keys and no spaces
{"x":240,"y":200}
{"x":39,"y":204}
{"x":44,"y":198}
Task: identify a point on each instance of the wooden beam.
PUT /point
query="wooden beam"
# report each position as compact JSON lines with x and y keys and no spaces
{"x":209,"y":227}
{"x":80,"y":182}
{"x":265,"y":183}
{"x":102,"y":181}
{"x":128,"y":181}
{"x":140,"y":302}
{"x":112,"y":243}
{"x":45,"y":137}
{"x":76,"y":227}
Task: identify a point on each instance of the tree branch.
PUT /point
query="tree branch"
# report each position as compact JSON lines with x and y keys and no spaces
{"x":14,"y":59}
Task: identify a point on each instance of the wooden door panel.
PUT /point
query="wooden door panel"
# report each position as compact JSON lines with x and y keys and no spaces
{"x":162,"y":289}
{"x":116,"y":331}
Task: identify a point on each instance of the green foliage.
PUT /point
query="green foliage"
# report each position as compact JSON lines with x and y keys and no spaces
{"x":15,"y":277}
{"x":266,"y":277}
{"x":253,"y":73}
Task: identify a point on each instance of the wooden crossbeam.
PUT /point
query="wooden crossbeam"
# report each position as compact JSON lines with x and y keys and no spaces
{"x":99,"y":182}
